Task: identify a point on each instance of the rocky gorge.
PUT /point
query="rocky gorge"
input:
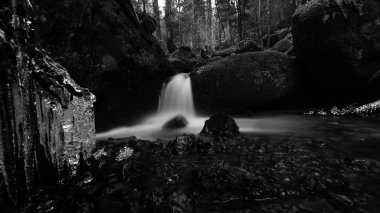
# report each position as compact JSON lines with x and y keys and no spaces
{"x":70,"y":70}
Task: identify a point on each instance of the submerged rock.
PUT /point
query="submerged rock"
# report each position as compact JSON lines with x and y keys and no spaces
{"x":241,"y":81}
{"x":178,"y":121}
{"x":220,"y":125}
{"x":338,"y":44}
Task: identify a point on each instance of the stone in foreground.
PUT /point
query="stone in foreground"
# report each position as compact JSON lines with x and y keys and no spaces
{"x":220,"y":125}
{"x":177,"y":122}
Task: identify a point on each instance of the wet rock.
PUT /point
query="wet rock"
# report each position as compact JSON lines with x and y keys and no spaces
{"x":361,"y":111}
{"x":338,"y":43}
{"x":244,"y":80}
{"x":178,"y":121}
{"x":220,"y":125}
{"x":241,"y":47}
{"x":184,"y":143}
{"x":124,"y":154}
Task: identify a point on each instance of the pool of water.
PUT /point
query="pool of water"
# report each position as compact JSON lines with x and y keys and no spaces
{"x":282,"y":163}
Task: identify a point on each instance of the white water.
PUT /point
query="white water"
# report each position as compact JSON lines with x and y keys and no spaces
{"x":177,"y":98}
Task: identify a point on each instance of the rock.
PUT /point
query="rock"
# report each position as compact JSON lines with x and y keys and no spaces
{"x":285,"y":46}
{"x":148,"y":22}
{"x":47,"y":120}
{"x":374,"y":85}
{"x":183,"y":60}
{"x":276,"y":37}
{"x":109,"y":48}
{"x":216,"y":58}
{"x":208,"y":61}
{"x":220,"y":125}
{"x":241,"y":47}
{"x":241,"y":81}
{"x":338,"y":44}
{"x":178,"y":121}
{"x":183,"y":143}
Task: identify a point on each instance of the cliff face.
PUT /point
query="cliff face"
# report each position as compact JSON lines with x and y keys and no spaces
{"x":46,"y":119}
{"x":108,"y":48}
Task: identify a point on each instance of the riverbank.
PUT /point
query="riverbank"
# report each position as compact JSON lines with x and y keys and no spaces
{"x":334,"y":167}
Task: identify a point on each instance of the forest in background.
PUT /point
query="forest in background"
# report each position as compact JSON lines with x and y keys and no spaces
{"x":215,"y":25}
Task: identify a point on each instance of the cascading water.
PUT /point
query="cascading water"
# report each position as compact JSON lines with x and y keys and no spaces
{"x":177,"y":97}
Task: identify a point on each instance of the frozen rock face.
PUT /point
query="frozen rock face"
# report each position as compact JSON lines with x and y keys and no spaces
{"x":46,"y":119}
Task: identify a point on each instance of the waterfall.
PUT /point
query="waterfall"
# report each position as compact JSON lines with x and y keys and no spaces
{"x":177,"y":97}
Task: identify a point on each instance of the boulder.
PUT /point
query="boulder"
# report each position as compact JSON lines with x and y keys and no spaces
{"x":338,"y":44}
{"x":220,"y":125}
{"x":241,"y":47}
{"x":275,"y":37}
{"x":284,"y":45}
{"x":182,"y":143}
{"x":204,"y":62}
{"x":148,"y":22}
{"x":178,"y":121}
{"x":109,"y":48}
{"x":183,"y":60}
{"x":241,"y":81}
{"x":374,"y":86}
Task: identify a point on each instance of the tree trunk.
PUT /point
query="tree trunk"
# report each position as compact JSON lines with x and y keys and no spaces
{"x":209,"y":25}
{"x":169,"y":26}
{"x":196,"y":32}
{"x":259,"y":23}
{"x":240,"y":19}
{"x":144,"y":6}
{"x":156,"y":14}
{"x":268,"y":24}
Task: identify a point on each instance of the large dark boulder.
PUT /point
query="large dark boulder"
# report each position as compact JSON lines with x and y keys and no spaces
{"x":109,"y":48}
{"x":244,"y":80}
{"x":338,"y":44}
{"x":178,"y":121}
{"x":241,"y":47}
{"x":220,"y":125}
